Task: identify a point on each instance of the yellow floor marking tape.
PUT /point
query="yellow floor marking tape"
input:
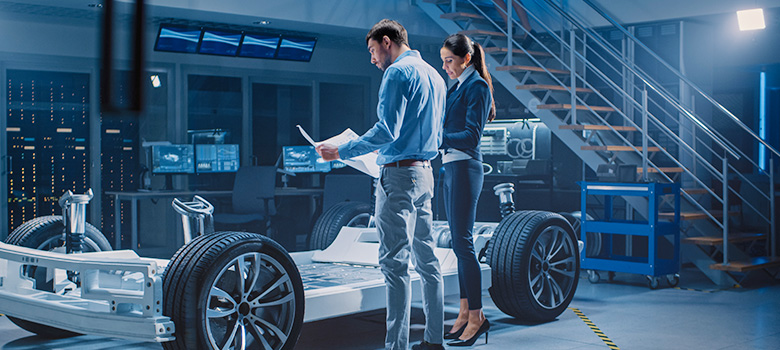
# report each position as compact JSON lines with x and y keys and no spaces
{"x":595,"y":329}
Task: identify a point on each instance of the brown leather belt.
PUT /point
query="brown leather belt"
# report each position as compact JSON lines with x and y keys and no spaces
{"x":407,"y":162}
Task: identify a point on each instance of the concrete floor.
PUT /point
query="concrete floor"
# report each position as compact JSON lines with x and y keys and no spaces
{"x":625,"y":310}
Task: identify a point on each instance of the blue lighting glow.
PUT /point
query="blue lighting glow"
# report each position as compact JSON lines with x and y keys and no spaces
{"x":762,"y":121}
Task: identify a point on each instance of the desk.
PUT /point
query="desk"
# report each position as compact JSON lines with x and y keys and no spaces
{"x":135,"y":196}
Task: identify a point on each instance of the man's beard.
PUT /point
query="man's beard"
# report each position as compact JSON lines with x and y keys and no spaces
{"x":386,"y":64}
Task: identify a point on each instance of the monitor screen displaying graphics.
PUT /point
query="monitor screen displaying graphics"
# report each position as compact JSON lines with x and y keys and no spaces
{"x":296,"y":48}
{"x":173,"y":38}
{"x":337,"y":164}
{"x":219,"y":42}
{"x":173,"y":159}
{"x":303,"y":159}
{"x":216,"y":158}
{"x":259,"y":45}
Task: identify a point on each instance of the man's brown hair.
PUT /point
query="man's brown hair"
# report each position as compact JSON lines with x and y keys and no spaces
{"x":394,"y":31}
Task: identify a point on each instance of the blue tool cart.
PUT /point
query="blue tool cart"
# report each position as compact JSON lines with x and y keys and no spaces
{"x":662,"y":255}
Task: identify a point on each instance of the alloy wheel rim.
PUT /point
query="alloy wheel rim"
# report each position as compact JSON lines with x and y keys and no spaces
{"x":552,"y":267}
{"x":251,"y":304}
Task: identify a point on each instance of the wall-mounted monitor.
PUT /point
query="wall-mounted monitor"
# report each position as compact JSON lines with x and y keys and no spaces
{"x":259,"y":45}
{"x":174,"y":38}
{"x":173,"y":159}
{"x":216,"y":158}
{"x":303,"y":159}
{"x":296,"y":48}
{"x":219,"y":42}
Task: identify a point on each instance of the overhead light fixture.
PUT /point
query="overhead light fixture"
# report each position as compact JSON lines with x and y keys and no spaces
{"x":751,"y":19}
{"x":155,"y":81}
{"x":262,"y":22}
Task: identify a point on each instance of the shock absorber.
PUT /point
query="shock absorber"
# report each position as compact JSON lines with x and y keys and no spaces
{"x":504,"y":192}
{"x":74,"y":214}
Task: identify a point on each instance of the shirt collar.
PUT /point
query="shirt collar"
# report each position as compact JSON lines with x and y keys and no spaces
{"x":466,"y":73}
{"x":409,"y":52}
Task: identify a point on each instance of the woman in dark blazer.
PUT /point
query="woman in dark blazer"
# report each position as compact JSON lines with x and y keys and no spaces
{"x":469,"y":106}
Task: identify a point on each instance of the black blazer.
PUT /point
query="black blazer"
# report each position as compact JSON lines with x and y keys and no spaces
{"x":465,"y":116}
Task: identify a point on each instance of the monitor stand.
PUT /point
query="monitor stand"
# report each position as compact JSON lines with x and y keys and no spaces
{"x":168,"y":183}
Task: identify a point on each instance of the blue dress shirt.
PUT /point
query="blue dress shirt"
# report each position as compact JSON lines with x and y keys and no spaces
{"x":412,"y":99}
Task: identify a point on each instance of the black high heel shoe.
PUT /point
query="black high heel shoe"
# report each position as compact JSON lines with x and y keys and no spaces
{"x":456,"y":335}
{"x":484,"y":328}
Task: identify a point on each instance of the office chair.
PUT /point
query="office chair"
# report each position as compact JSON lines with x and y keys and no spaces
{"x":252,"y":198}
{"x":342,"y":188}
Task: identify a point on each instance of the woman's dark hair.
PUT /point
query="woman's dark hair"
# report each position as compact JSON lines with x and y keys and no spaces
{"x":460,"y":45}
{"x":394,"y":31}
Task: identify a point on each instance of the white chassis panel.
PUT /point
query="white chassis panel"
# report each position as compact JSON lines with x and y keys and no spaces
{"x":121,"y":293}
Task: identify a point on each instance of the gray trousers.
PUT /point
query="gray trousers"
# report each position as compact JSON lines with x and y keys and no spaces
{"x":404,"y":220}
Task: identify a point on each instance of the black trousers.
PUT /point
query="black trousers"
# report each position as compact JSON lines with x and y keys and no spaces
{"x":462,"y":185}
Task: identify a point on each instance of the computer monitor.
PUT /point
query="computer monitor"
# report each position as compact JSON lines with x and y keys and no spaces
{"x":296,"y":48}
{"x":173,"y":159}
{"x":219,"y":42}
{"x":173,"y":38}
{"x":259,"y":45}
{"x":216,"y":158}
{"x":303,"y":159}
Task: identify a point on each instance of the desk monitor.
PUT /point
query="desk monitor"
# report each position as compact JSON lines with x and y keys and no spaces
{"x":303,"y":159}
{"x":173,"y":159}
{"x":216,"y":158}
{"x":173,"y":38}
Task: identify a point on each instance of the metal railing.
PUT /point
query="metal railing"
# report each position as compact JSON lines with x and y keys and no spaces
{"x":709,"y":150}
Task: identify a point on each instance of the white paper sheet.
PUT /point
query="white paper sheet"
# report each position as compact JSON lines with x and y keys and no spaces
{"x":365,"y":163}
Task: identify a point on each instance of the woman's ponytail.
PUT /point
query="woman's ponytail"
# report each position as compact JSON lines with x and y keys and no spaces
{"x":478,"y":60}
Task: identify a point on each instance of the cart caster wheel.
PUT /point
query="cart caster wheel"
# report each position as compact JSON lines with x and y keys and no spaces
{"x":611,"y":276}
{"x":593,"y":276}
{"x":652,"y":281}
{"x":673,"y":280}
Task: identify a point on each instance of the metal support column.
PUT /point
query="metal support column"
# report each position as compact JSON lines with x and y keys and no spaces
{"x":509,"y":33}
{"x":725,"y":209}
{"x":572,"y":76}
{"x":772,"y":227}
{"x":644,"y":133}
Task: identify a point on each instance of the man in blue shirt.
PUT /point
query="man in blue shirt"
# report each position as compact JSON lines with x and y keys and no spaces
{"x":406,"y":137}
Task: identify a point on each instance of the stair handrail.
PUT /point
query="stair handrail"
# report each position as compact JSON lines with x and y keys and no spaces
{"x":635,"y":103}
{"x":678,"y":74}
{"x":725,"y":144}
{"x":614,"y":86}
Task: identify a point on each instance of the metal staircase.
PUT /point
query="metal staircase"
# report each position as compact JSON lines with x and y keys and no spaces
{"x":609,"y":109}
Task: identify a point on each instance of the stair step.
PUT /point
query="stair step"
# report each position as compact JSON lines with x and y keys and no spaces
{"x":530,"y":69}
{"x":756,"y":263}
{"x":438,"y":2}
{"x":461,"y":16}
{"x":661,"y":169}
{"x":544,"y":87}
{"x":617,"y":148}
{"x":735,"y":237}
{"x":695,"y":215}
{"x":496,"y":49}
{"x":563,"y":107}
{"x":481,"y":32}
{"x":595,"y":127}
